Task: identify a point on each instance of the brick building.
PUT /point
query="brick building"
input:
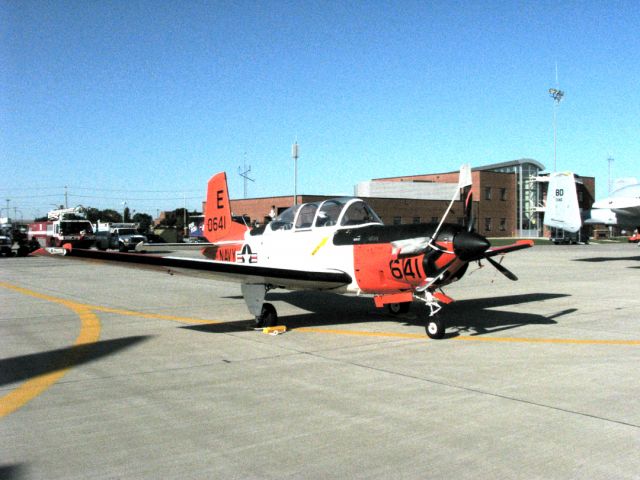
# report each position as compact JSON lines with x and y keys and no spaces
{"x":507,"y":200}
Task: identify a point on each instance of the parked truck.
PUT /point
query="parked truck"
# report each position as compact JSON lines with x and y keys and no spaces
{"x":63,"y":226}
{"x":123,"y":236}
{"x":6,"y":238}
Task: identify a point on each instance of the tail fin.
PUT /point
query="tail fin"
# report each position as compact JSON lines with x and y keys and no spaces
{"x":218,"y":224}
{"x":562,"y":209}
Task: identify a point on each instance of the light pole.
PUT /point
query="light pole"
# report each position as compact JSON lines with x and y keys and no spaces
{"x":295,"y":151}
{"x":557,"y":95}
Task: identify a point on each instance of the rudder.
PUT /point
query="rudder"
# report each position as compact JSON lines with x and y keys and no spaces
{"x":218,"y":224}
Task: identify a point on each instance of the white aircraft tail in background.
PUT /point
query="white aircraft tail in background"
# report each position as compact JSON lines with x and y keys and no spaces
{"x":562,"y":209}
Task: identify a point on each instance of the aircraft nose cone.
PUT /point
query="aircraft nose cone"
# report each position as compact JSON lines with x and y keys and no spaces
{"x":470,"y":246}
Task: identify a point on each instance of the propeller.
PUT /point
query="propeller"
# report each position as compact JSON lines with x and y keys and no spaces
{"x":470,"y":246}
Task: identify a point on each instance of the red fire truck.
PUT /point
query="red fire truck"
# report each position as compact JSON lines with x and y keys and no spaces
{"x":66,"y":225}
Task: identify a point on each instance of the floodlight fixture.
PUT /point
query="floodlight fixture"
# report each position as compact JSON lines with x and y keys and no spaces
{"x":556,"y":94}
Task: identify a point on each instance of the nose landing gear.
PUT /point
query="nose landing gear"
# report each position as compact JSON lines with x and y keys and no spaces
{"x":435,"y":328}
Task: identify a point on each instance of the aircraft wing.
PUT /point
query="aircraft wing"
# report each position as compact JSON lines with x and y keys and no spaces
{"x":235,"y":272}
{"x":170,"y":247}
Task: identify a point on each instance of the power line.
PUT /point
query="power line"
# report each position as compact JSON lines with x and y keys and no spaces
{"x":135,"y":199}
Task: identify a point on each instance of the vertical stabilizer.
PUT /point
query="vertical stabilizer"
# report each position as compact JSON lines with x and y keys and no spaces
{"x":562,"y":209}
{"x":218,"y":224}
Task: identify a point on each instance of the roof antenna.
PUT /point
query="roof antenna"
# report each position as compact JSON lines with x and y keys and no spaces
{"x":245,"y":174}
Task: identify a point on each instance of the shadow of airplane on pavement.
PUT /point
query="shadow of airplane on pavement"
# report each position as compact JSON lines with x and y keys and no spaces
{"x":25,"y":367}
{"x":609,"y":259}
{"x":325,"y":309}
{"x":13,"y":472}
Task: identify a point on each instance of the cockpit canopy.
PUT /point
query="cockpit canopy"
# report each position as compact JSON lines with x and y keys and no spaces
{"x":328,"y":213}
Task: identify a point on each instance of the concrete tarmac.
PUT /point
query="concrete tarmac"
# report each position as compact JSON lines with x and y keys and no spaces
{"x":111,"y":372}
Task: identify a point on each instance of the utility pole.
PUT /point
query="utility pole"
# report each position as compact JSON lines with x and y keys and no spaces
{"x":184,"y":217}
{"x":66,"y":199}
{"x":295,"y":153}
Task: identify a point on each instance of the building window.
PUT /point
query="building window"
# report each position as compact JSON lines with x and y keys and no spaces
{"x":503,"y":224}
{"x":416,"y":219}
{"x":460,"y":220}
{"x":503,"y":194}
{"x":435,"y":219}
{"x":487,"y":193}
{"x":397,"y":220}
{"x":487,"y":224}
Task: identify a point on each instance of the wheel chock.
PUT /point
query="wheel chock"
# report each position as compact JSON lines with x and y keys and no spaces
{"x":277,"y":330}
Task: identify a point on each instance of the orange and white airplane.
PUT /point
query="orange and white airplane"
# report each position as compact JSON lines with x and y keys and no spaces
{"x":338,"y":245}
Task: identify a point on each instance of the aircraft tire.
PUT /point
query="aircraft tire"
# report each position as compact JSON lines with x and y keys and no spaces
{"x":269,"y":316}
{"x":398,"y":308}
{"x":435,"y":328}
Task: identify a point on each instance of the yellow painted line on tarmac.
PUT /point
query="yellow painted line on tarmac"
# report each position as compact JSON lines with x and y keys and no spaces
{"x":27,"y":391}
{"x":567,"y":341}
{"x":155,"y":316}
{"x":360,"y":333}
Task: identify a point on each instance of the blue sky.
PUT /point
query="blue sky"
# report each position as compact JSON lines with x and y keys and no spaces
{"x":144,"y":101}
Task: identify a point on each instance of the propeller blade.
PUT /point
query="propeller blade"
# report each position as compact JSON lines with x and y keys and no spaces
{"x":502,"y":269}
{"x":467,"y":197}
{"x":472,"y":220}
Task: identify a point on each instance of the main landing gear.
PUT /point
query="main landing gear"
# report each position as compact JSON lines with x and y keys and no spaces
{"x":265,"y":313}
{"x":268,"y":317}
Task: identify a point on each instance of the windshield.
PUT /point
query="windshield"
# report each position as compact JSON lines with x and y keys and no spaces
{"x":630,"y":191}
{"x":126,"y":231}
{"x":359,"y":213}
{"x":74,"y":228}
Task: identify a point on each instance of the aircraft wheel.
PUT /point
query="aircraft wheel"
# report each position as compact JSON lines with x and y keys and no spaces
{"x":268,"y":317}
{"x":435,"y":328}
{"x":398,"y":308}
